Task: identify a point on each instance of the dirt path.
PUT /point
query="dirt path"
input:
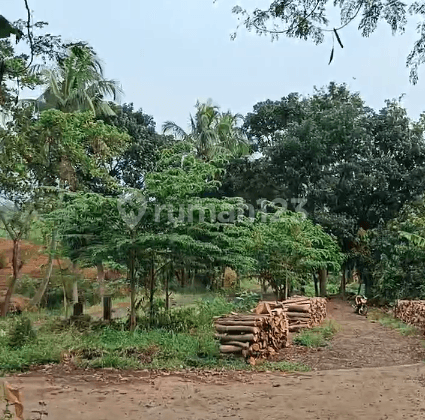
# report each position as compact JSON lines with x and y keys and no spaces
{"x":360,"y":343}
{"x":393,"y":389}
{"x":371,"y":393}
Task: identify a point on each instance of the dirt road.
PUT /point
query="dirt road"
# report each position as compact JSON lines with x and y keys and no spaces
{"x":393,"y":389}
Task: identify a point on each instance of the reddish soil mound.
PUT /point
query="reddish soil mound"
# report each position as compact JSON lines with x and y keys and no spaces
{"x":34,"y":259}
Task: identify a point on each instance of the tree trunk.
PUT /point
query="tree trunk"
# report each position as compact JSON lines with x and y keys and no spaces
{"x":16,"y":264}
{"x":286,"y":285}
{"x":65,"y":300}
{"x":316,"y":284}
{"x":75,"y":291}
{"x":43,"y":286}
{"x":101,"y":279}
{"x":132,"y":292}
{"x":152,"y":291}
{"x":167,"y":296}
{"x":343,"y":283}
{"x":323,"y":277}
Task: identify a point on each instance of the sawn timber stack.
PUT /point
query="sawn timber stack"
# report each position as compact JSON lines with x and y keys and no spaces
{"x":411,"y":312}
{"x":301,"y":312}
{"x":258,"y":335}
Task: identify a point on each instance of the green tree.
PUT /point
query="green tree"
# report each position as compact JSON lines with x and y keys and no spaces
{"x":289,"y":247}
{"x":354,"y":167}
{"x":77,"y":84}
{"x":212,"y":132}
{"x":144,"y":149}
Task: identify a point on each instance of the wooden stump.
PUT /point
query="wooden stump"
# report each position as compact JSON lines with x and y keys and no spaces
{"x":78,"y":309}
{"x":107,"y":308}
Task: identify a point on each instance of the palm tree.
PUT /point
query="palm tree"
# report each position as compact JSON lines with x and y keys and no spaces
{"x":211,"y":131}
{"x":78,"y":84}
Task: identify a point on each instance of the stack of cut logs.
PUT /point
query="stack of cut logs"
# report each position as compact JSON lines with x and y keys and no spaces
{"x":301,"y":312}
{"x":411,"y":312}
{"x":258,"y":334}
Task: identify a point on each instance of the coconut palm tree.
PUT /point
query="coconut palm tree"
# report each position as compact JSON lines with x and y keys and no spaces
{"x":211,"y":131}
{"x":78,"y":84}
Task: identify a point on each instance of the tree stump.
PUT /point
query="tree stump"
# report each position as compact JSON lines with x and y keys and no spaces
{"x":107,"y":308}
{"x":78,"y":309}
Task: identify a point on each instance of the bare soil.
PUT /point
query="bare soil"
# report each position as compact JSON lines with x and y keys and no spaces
{"x":369,"y":372}
{"x":360,"y":343}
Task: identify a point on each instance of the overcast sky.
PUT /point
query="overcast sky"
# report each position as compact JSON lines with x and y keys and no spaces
{"x":169,"y":53}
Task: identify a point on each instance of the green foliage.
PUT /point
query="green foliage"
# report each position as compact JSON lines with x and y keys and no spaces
{"x":144,"y":151}
{"x":398,"y":256}
{"x":336,"y":153}
{"x":21,"y":333}
{"x":310,"y":21}
{"x":317,"y":337}
{"x":246,"y":300}
{"x":288,"y":247}
{"x":185,"y":339}
{"x":77,"y":84}
{"x":390,"y":321}
{"x":212,"y":133}
{"x":26,"y":286}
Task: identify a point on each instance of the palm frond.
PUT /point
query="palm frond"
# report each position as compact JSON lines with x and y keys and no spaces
{"x":173,"y":128}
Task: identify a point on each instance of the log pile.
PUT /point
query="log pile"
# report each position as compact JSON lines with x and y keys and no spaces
{"x":411,"y":312}
{"x":254,"y":334}
{"x":301,"y":312}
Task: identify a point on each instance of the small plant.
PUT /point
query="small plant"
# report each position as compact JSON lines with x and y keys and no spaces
{"x":389,"y":321}
{"x":7,"y":414}
{"x":27,"y":286}
{"x":246,"y":300}
{"x":21,"y":333}
{"x":317,"y":337}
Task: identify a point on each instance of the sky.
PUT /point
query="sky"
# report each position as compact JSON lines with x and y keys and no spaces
{"x":167,"y":54}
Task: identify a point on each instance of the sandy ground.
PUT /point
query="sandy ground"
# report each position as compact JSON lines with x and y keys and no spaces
{"x":344,"y":386}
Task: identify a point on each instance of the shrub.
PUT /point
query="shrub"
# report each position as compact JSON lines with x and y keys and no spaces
{"x":27,"y":286}
{"x":21,"y":333}
{"x":246,"y":300}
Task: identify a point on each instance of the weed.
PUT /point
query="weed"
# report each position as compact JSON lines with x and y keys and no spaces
{"x":390,"y":321}
{"x":317,"y":337}
{"x":21,"y":333}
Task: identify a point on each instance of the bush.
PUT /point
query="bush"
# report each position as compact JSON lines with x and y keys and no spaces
{"x":27,"y":286}
{"x":246,"y":300}
{"x":21,"y":333}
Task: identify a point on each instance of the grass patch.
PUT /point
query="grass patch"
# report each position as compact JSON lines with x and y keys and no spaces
{"x":180,"y":339}
{"x":317,"y":337}
{"x":183,"y":340}
{"x":390,"y":321}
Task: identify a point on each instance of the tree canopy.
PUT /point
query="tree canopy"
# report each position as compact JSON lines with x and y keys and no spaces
{"x":309,"y":20}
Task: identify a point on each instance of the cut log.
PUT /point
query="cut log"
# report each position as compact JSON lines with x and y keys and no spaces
{"x":230,"y":349}
{"x":238,"y":343}
{"x":298,"y":315}
{"x":236,"y":328}
{"x":224,"y":321}
{"x":241,"y":337}
{"x":298,"y":308}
